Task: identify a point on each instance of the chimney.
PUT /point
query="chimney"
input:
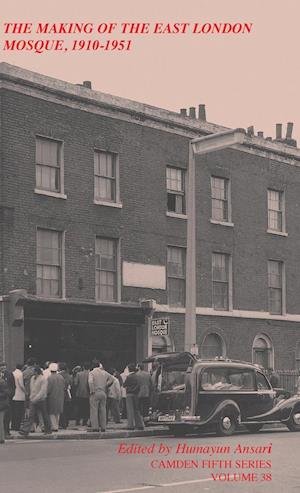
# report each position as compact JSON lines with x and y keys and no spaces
{"x":87,"y":83}
{"x":260,"y":134}
{"x":192,"y":113}
{"x":202,"y":112}
{"x":183,"y":112}
{"x":250,"y":131}
{"x":289,"y":130}
{"x":278,"y":131}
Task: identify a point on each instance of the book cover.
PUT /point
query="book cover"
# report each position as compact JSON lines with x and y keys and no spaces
{"x":150,"y":205}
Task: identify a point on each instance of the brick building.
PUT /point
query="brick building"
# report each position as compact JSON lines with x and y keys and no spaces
{"x":93,"y":223}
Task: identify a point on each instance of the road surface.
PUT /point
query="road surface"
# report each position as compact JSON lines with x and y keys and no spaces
{"x":154,"y":465}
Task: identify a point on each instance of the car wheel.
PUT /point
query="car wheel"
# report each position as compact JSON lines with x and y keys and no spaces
{"x":253,"y":427}
{"x":179,"y":430}
{"x":226,"y":425}
{"x":293,"y":423}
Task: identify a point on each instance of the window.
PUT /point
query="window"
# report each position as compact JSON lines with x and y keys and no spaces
{"x":262,"y":352}
{"x":262,"y":382}
{"x":106,"y":269}
{"x":105,"y":173}
{"x":220,"y":199}
{"x":49,"y":263}
{"x":49,"y":167}
{"x":213,"y":346}
{"x":176,"y":276}
{"x":176,"y":190}
{"x":227,"y":379}
{"x":276,"y":220}
{"x":220,"y":281}
{"x":275,"y":286}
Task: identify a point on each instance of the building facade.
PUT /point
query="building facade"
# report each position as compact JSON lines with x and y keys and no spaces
{"x":93,"y":217}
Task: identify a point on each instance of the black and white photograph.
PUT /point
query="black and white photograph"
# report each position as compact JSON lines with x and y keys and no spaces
{"x":150,"y":246}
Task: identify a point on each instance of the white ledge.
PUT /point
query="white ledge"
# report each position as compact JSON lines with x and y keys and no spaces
{"x":118,"y":205}
{"x":278,"y":233}
{"x":235,"y":313}
{"x":174,"y":214}
{"x":56,"y":195}
{"x":222,"y":223}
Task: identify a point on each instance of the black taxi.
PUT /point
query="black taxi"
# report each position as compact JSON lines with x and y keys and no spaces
{"x":194,"y":395}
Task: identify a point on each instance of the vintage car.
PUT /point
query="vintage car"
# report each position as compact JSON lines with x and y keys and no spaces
{"x":192,"y":395}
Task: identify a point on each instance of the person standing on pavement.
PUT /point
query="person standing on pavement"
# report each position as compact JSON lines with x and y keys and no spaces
{"x":65,"y":415}
{"x":4,"y":403}
{"x":8,"y":377}
{"x":113,"y":399}
{"x":55,"y":395}
{"x":37,"y":402}
{"x":99,"y":381}
{"x":18,"y":402}
{"x":145,"y":390}
{"x":123,"y":392}
{"x":132,"y":385}
{"x":82,"y":393}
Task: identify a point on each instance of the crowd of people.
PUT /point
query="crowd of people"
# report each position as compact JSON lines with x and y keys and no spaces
{"x":49,"y":397}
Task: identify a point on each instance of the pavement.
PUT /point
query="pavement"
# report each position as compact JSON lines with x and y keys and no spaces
{"x":74,"y":432}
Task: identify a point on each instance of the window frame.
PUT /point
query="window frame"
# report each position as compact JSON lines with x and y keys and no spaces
{"x":60,"y":153}
{"x":177,"y":193}
{"x":227,"y":219}
{"x":268,"y":350}
{"x":117,"y":279}
{"x":282,"y":288}
{"x":181,"y":278}
{"x":116,"y":179}
{"x":280,"y":212}
{"x":61,"y":239}
{"x":228,"y":271}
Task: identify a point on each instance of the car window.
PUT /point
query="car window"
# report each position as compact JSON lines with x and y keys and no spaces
{"x":173,"y":380}
{"x":227,"y":379}
{"x":262,"y":382}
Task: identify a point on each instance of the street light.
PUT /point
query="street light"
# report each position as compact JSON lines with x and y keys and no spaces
{"x":201,"y":145}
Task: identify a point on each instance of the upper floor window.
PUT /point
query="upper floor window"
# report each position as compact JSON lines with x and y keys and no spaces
{"x":106,"y":269}
{"x":275,"y":286}
{"x":176,"y":276}
{"x":220,"y":206}
{"x":276,"y":219}
{"x":176,"y":190}
{"x":220,"y":281}
{"x":106,"y":177}
{"x":49,"y":263}
{"x":49,"y":165}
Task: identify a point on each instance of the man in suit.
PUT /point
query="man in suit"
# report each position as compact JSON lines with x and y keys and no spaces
{"x":144,"y":394}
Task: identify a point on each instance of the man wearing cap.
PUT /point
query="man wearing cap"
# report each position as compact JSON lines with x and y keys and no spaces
{"x":55,"y":395}
{"x":99,"y":381}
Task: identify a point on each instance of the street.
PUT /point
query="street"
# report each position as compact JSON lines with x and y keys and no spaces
{"x":155,"y":464}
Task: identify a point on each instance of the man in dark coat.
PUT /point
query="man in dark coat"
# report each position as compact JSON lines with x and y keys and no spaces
{"x":55,"y":395}
{"x":9,"y":378}
{"x":144,"y":394}
{"x":4,"y":403}
{"x":82,"y":394}
{"x":132,"y":385}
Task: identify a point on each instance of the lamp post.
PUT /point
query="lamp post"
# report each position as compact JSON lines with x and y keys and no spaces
{"x":201,"y":145}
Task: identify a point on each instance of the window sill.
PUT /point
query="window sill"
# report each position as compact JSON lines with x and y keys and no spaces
{"x":222,"y":309}
{"x":278,"y":233}
{"x":222,"y":223}
{"x":101,"y":302}
{"x":117,"y":205}
{"x":174,"y":214}
{"x":48,"y":193}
